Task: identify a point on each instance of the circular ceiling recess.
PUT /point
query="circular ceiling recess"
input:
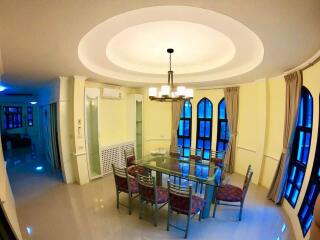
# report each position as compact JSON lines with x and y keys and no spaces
{"x":208,"y":46}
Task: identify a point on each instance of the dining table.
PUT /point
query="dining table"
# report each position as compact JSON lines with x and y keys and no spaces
{"x":199,"y":172}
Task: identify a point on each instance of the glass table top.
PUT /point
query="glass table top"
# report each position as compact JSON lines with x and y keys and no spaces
{"x":199,"y":171}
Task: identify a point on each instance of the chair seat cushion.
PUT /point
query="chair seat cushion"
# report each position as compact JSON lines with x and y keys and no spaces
{"x":134,"y":185}
{"x":197,"y":204}
{"x":229,"y":193}
{"x":123,"y":187}
{"x":181,"y":205}
{"x":162,"y":194}
{"x":134,"y":170}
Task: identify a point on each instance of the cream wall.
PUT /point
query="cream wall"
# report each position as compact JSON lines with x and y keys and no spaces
{"x":113,"y":115}
{"x":157,"y":124}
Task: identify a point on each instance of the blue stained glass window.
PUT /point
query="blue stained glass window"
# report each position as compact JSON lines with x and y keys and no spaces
{"x":204,"y":127}
{"x":188,"y":109}
{"x":293,"y":173}
{"x":220,"y":146}
{"x":206,"y":154}
{"x":201,"y":110}
{"x":208,"y":109}
{"x":207,"y":144}
{"x":223,"y":128}
{"x":300,"y":147}
{"x":187,"y":142}
{"x":184,"y":131}
{"x":12,"y":117}
{"x":222,"y":109}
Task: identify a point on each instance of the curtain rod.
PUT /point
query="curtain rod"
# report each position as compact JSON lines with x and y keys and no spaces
{"x":311,"y":64}
{"x":307,"y":64}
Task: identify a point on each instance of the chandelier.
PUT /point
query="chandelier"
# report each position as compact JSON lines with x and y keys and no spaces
{"x":169,"y":92}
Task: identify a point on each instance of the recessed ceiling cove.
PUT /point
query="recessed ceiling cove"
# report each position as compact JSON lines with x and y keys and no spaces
{"x":208,"y":46}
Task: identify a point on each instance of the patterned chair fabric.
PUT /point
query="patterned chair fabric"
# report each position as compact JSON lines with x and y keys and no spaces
{"x":130,"y":160}
{"x":147,"y":193}
{"x":180,"y":204}
{"x":122,"y":184}
{"x":229,"y":193}
{"x":135,"y":170}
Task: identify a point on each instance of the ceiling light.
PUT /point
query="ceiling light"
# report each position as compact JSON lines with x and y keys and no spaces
{"x":39,"y":168}
{"x":2,"y":88}
{"x":170,"y":93}
{"x":33,"y":103}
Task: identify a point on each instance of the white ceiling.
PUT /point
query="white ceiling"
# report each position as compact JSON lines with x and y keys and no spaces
{"x":208,"y":46}
{"x":39,"y":40}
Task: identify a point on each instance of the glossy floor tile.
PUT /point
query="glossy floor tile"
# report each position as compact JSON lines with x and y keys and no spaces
{"x":49,"y":209}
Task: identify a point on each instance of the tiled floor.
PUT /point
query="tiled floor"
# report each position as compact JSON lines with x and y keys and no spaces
{"x":49,"y":209}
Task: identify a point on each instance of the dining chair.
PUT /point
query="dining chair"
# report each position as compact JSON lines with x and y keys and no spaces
{"x":125,"y":184}
{"x":196,"y":154}
{"x":183,"y":202}
{"x":230,"y":195}
{"x":217,"y":157}
{"x":130,"y":158}
{"x":150,"y":193}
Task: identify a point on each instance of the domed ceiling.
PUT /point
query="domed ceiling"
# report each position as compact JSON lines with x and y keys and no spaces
{"x":208,"y":45}
{"x":123,"y":42}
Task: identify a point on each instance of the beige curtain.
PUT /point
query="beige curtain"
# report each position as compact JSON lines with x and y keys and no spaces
{"x":293,"y":90}
{"x":176,"y":108}
{"x":231,"y":95}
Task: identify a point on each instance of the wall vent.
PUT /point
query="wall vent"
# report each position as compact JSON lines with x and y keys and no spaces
{"x":114,"y":154}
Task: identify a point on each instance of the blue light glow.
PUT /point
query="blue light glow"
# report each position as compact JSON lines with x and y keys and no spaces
{"x":39,"y":168}
{"x":29,"y":230}
{"x":2,"y":88}
{"x":33,"y":103}
{"x":284,"y":226}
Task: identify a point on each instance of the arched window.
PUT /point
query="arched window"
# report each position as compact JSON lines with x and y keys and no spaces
{"x":300,"y":147}
{"x":204,"y":127}
{"x":184,"y":131}
{"x":306,"y":210}
{"x":223,"y":128}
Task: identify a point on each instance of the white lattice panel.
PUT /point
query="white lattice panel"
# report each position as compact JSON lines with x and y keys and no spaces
{"x":114,"y":155}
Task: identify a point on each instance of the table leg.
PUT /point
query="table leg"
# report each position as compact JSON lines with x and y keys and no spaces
{"x":159,"y":178}
{"x":210,"y":193}
{"x":208,"y":197}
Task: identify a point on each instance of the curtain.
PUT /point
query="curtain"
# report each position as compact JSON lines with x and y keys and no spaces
{"x":293,"y":91}
{"x":231,"y":95}
{"x":176,"y":108}
{"x":54,"y":136}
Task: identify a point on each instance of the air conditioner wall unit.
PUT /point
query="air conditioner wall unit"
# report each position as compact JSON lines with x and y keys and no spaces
{"x":112,"y":93}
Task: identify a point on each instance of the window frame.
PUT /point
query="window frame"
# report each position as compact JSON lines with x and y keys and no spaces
{"x":220,"y":121}
{"x":205,"y":119}
{"x":183,"y":137}
{"x":308,"y":200}
{"x":15,"y":116}
{"x":296,"y":166}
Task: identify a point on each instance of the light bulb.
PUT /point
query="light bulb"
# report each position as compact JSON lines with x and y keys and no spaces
{"x":165,"y":89}
{"x":153,"y":92}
